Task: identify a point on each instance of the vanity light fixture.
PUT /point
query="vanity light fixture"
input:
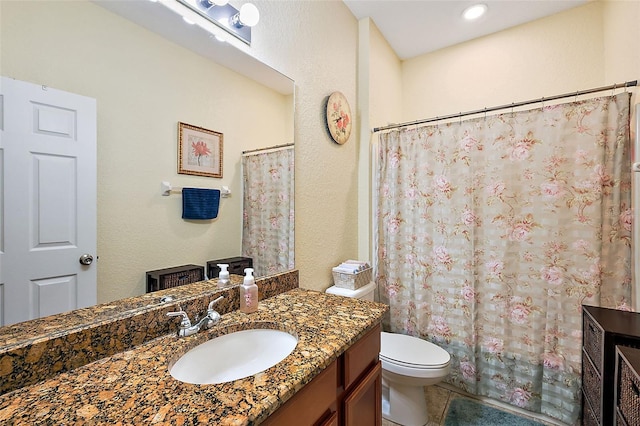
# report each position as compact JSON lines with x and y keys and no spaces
{"x":474,"y":12}
{"x":222,"y":14}
{"x":216,"y":2}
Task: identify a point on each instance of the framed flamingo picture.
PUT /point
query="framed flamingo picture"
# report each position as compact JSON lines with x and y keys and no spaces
{"x":199,"y":151}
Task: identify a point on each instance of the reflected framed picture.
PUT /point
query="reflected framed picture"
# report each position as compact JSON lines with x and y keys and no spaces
{"x":199,"y":151}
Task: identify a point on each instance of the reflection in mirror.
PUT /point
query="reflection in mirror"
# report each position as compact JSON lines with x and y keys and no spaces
{"x":145,"y":83}
{"x":268,"y":208}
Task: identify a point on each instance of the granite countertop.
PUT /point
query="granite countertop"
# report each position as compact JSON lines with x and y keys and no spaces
{"x":135,"y":387}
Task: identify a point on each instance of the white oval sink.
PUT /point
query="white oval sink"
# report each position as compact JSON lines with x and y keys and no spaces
{"x":233,"y":356}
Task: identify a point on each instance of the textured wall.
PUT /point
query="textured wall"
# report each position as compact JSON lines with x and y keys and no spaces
{"x":380,"y":94}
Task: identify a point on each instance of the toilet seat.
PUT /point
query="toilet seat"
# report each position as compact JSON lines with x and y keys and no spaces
{"x":410,"y":352}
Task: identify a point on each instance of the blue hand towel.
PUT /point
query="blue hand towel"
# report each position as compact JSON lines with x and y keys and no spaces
{"x":200,"y":203}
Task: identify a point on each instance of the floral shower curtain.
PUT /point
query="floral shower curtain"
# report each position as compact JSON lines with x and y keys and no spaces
{"x":492,"y":232}
{"x":268,"y":217}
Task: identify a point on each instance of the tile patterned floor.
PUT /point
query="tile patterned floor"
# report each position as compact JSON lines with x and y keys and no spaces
{"x":438,"y":398}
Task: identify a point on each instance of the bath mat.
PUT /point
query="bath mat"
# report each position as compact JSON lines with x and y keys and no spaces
{"x":467,"y":412}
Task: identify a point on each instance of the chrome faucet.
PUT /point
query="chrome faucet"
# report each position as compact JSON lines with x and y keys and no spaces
{"x":209,"y":320}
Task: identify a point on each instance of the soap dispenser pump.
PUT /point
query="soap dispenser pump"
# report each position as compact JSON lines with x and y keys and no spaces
{"x":248,"y":293}
{"x":223,"y":276}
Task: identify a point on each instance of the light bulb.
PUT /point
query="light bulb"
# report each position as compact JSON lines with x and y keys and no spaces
{"x":249,"y":15}
{"x":474,"y":12}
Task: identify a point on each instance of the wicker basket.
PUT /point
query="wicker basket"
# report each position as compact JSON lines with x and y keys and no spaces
{"x":352,"y":281}
{"x":629,"y":401}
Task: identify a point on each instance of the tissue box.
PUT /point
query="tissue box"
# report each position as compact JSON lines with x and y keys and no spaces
{"x":352,"y":281}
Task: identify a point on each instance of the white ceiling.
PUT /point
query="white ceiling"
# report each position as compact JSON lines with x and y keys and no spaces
{"x":416,"y":27}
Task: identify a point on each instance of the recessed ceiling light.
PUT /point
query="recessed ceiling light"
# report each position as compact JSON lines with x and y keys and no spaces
{"x":474,"y":12}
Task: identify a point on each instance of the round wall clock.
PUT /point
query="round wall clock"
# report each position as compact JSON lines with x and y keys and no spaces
{"x":339,"y":117}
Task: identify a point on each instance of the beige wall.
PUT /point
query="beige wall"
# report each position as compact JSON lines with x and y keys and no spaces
{"x":621,"y":36}
{"x":558,"y":54}
{"x":585,"y":47}
{"x":144,"y":85}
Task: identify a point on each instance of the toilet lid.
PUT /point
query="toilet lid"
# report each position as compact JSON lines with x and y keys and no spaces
{"x":412,"y":351}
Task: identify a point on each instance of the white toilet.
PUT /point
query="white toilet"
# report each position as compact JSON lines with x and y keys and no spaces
{"x":408,"y":364}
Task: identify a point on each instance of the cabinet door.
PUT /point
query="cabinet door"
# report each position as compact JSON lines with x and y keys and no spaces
{"x":312,"y":403}
{"x":363,"y":405}
{"x":331,"y":421}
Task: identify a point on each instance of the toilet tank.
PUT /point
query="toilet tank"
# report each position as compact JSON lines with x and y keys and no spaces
{"x":364,"y":292}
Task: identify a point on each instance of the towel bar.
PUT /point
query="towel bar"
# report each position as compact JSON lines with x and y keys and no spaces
{"x":225,"y":192}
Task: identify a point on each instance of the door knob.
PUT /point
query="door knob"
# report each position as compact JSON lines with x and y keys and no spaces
{"x":86,"y":259}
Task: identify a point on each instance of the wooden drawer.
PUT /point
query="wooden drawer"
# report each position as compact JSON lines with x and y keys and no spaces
{"x":628,"y":385}
{"x":361,"y":356}
{"x":593,"y":340}
{"x":591,"y":387}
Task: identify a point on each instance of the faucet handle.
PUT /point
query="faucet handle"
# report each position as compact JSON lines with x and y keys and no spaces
{"x":213,"y":302}
{"x":213,"y":315}
{"x":185,"y":322}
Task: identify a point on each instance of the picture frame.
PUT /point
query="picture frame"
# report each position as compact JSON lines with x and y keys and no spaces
{"x":199,"y":151}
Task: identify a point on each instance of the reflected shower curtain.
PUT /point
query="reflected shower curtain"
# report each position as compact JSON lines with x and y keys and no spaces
{"x":492,"y":232}
{"x":268,"y":217}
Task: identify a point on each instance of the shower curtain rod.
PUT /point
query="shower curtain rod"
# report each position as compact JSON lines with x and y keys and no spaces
{"x":512,"y":105}
{"x":267,"y":148}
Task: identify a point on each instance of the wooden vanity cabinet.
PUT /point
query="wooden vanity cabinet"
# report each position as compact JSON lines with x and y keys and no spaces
{"x":347,"y":393}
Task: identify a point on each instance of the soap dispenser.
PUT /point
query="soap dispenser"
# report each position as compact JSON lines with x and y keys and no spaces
{"x":248,"y":293}
{"x":223,"y":276}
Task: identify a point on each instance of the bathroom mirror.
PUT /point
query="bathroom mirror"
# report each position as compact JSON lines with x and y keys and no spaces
{"x":145,"y":83}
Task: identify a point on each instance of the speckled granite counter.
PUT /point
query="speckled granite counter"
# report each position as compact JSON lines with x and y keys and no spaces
{"x":135,"y":387}
{"x":35,"y":350}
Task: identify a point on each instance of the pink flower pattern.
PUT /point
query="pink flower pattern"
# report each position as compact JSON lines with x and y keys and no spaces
{"x":268,"y":215}
{"x":490,"y":239}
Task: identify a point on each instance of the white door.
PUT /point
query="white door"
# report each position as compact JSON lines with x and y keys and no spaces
{"x":48,"y":200}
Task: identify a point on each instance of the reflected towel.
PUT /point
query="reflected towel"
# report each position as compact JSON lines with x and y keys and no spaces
{"x":200,"y":203}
